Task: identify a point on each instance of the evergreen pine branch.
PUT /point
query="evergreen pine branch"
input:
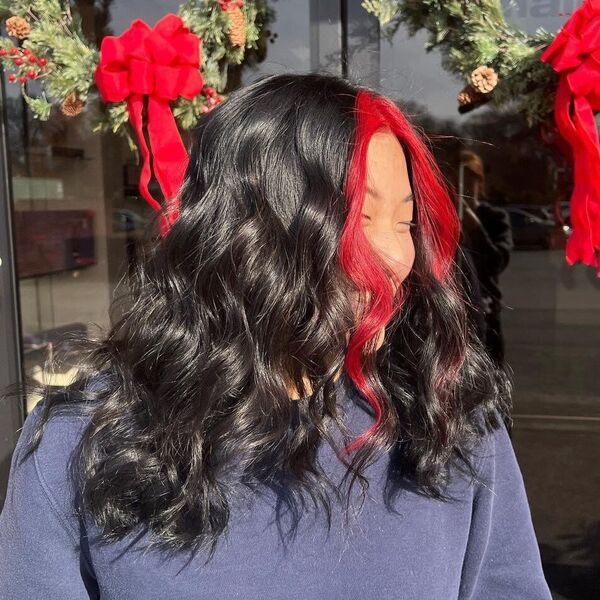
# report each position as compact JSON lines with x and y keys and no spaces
{"x":474,"y":33}
{"x":40,"y":107}
{"x":56,"y":34}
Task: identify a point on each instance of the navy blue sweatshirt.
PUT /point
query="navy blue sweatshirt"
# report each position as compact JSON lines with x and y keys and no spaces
{"x":480,"y":546}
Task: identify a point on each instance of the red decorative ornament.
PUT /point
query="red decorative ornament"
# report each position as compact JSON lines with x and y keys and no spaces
{"x":161,"y":63}
{"x":575,"y":56}
{"x":230,"y":4}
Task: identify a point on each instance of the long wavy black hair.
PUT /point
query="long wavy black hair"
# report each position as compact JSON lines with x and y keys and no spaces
{"x":249,"y":292}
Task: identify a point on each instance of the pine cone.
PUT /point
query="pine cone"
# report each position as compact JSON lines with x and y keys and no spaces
{"x":72,"y":105}
{"x":467,"y":96}
{"x":470,"y":98}
{"x":484,"y":79}
{"x":17,"y":27}
{"x":237,"y":29}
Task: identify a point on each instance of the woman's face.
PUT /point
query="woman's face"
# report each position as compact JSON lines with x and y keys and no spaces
{"x":388,"y":209}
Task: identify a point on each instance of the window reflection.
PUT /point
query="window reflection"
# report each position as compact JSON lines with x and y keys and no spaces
{"x":549,"y":312}
{"x":78,"y":215}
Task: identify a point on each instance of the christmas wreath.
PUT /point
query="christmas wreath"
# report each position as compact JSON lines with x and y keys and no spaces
{"x":497,"y":62}
{"x":159,"y":78}
{"x":538,"y":74}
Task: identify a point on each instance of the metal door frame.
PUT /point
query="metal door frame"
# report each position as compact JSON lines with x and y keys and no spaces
{"x":12,"y":412}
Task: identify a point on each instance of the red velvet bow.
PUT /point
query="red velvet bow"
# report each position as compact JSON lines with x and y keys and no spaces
{"x":575,"y":55}
{"x":163,"y":64}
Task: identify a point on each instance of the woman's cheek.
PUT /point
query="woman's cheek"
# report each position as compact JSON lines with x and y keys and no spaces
{"x":409,"y":260}
{"x":403,"y":265}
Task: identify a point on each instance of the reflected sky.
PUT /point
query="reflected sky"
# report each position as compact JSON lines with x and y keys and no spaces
{"x":529,"y":15}
{"x":287,"y":51}
{"x":288,"y":48}
{"x":123,"y":13}
{"x":412,"y":74}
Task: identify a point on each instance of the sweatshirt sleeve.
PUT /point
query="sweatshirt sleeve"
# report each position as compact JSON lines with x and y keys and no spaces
{"x":40,"y":556}
{"x":502,"y":560}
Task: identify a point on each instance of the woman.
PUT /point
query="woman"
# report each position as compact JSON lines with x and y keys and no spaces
{"x":297,"y":331}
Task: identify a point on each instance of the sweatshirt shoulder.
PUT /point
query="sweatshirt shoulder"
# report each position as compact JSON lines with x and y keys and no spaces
{"x":46,"y":470}
{"x":493,"y":443}
{"x":41,"y":554}
{"x":60,"y":433}
{"x":497,"y":463}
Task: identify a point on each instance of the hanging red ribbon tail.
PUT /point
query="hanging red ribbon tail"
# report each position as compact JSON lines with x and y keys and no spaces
{"x":169,"y":154}
{"x":161,"y":63}
{"x":575,"y":56}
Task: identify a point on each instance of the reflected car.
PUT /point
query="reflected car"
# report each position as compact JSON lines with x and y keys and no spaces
{"x":530,"y":230}
{"x":127,"y":220}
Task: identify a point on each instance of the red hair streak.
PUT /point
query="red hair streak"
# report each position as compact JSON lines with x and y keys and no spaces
{"x":438,"y":226}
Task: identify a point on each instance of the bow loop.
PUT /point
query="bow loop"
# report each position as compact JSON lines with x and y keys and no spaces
{"x":137,"y":61}
{"x":140,"y":77}
{"x":590,"y":38}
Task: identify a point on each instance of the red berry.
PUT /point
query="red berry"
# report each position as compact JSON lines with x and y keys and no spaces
{"x":13,"y":51}
{"x":31,"y":73}
{"x":209,"y":91}
{"x":22,"y":79}
{"x":18,"y":61}
{"x":42,"y":61}
{"x":205,"y":109}
{"x":12,"y":77}
{"x":32,"y":59}
{"x":26,"y":51}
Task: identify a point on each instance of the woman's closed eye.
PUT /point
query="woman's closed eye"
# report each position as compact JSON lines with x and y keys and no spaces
{"x":402,"y":226}
{"x":406,"y":226}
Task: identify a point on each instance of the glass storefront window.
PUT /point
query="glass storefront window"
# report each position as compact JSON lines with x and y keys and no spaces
{"x":77,"y":210}
{"x":543,"y":316}
{"x":79,"y":217}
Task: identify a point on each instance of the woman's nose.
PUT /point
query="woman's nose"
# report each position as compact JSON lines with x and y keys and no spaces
{"x":398,"y":253}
